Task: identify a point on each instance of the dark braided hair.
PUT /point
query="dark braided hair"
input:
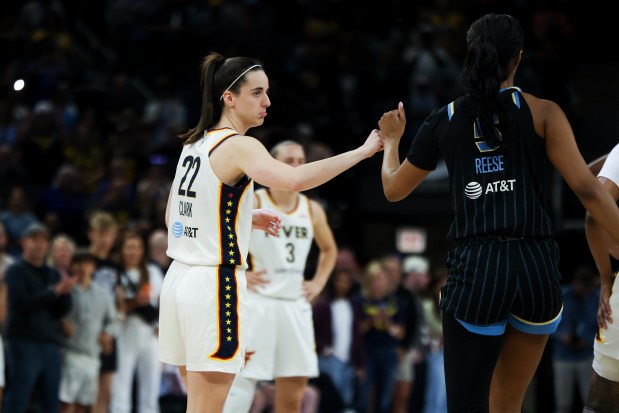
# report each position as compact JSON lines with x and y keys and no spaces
{"x":494,"y":42}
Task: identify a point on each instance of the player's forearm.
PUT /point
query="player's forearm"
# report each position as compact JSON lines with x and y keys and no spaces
{"x":391,"y":163}
{"x":599,"y":241}
{"x":596,"y":165}
{"x":316,"y":173}
{"x":325,"y":266}
{"x":603,"y":208}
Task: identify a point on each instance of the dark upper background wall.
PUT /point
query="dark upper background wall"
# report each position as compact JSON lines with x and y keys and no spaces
{"x":93,"y":70}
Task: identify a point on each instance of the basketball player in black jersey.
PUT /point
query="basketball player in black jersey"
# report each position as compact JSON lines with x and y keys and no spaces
{"x":503,"y":295}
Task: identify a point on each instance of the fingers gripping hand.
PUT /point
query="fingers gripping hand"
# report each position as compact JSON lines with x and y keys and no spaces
{"x":392,"y":123}
{"x":374,"y":142}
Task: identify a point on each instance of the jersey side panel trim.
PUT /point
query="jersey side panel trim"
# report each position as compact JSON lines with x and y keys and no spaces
{"x":229,"y":203}
{"x":227,"y":314}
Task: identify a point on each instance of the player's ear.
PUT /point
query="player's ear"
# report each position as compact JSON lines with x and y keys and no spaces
{"x":519,"y":57}
{"x":228,"y":98}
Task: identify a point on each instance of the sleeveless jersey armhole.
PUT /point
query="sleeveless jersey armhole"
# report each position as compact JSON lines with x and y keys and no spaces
{"x":257,"y":200}
{"x":216,"y":145}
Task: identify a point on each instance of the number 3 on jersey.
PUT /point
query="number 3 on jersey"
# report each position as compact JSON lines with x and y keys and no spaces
{"x":290,"y":248}
{"x":189,"y":163}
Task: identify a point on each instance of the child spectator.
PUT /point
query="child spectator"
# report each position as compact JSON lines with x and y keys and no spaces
{"x":89,"y":327}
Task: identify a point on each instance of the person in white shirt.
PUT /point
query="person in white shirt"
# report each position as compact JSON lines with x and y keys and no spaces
{"x":141,"y":283}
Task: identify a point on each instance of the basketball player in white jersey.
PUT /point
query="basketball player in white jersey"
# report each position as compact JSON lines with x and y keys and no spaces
{"x":281,"y":332}
{"x":209,"y":218}
{"x":604,"y":389}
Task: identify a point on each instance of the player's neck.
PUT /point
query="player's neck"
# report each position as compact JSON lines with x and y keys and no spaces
{"x":232,"y":122}
{"x":285,"y":200}
{"x":507,"y":83}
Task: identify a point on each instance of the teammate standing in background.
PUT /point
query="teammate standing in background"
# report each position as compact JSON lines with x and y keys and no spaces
{"x":281,"y":332}
{"x":503,"y":294}
{"x":209,"y":217}
{"x":604,"y":388}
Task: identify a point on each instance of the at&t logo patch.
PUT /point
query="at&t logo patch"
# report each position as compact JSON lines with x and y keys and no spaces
{"x":473,"y":190}
{"x":177,"y":229}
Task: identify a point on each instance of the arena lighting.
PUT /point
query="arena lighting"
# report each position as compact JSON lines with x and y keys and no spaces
{"x":19,"y":85}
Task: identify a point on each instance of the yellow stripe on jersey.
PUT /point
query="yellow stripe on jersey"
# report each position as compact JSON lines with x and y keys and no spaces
{"x":236,"y":221}
{"x":451,"y":108}
{"x":522,"y":320}
{"x":516,"y":99}
{"x":599,"y":337}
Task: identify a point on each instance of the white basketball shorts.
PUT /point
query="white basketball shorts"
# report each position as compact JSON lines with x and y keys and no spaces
{"x":202,"y":317}
{"x":606,"y":345}
{"x":280,"y":339}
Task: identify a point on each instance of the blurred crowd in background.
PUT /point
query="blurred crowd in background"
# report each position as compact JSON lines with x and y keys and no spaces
{"x":94,"y":94}
{"x":107,"y":86}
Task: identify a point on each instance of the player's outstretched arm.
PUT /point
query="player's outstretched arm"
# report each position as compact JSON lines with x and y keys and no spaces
{"x":254,"y":160}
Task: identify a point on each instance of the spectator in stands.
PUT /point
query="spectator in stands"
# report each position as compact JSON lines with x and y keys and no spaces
{"x":102,"y":233}
{"x":382,"y":328}
{"x":89,"y":327}
{"x":138,"y":356}
{"x":573,"y":340}
{"x":17,"y":217}
{"x":338,"y":335}
{"x":61,"y":253}
{"x":5,"y":262}
{"x":38,"y":300}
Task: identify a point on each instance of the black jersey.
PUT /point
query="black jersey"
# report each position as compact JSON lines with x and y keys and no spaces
{"x":495,"y":190}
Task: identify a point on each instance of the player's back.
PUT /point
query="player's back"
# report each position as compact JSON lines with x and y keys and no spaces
{"x":209,"y":222}
{"x":497,"y":189}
